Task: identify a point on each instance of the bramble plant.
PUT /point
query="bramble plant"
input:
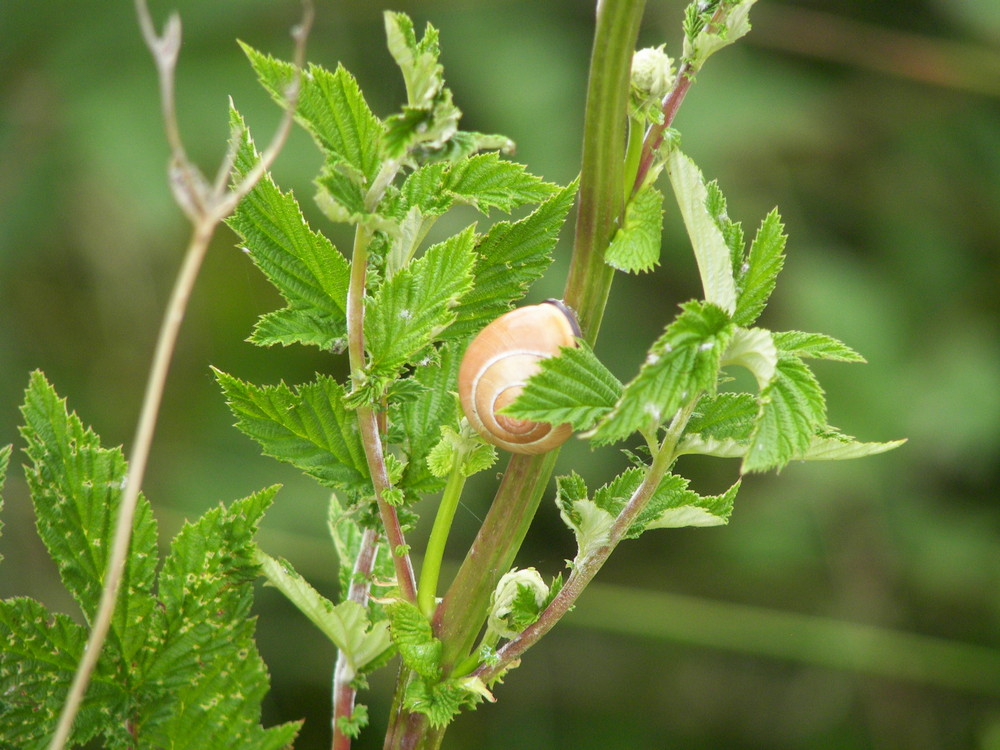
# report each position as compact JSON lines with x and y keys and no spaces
{"x":179,"y":666}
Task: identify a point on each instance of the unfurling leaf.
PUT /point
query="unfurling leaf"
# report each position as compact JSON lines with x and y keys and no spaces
{"x":636,"y":245}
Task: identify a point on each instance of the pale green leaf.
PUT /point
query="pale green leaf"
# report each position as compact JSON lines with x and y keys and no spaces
{"x":308,"y":427}
{"x":756,"y":277}
{"x":441,"y":701}
{"x":412,"y":308}
{"x":573,"y":387}
{"x":754,"y":350}
{"x":792,"y":410}
{"x":816,"y":346}
{"x":710,"y":248}
{"x":732,"y":231}
{"x":508,"y":259}
{"x":330,"y":107}
{"x":636,"y":245}
{"x":417,"y":59}
{"x":590,"y":524}
{"x":681,"y":364}
{"x":678,"y":509}
{"x":702,"y":38}
{"x":463,"y":448}
{"x":830,"y":445}
{"x":346,"y":624}
{"x":76,"y":488}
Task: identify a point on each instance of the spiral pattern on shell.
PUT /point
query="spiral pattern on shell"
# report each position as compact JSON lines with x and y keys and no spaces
{"x":497,"y":364}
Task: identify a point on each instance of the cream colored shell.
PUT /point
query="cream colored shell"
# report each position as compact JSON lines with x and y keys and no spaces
{"x":499,"y":362}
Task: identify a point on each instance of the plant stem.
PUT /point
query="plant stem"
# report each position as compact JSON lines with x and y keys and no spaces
{"x":602,"y":169}
{"x":343,"y":674}
{"x":654,"y":135}
{"x":586,"y":568}
{"x":460,"y":615}
{"x":431,"y":569}
{"x":206,"y":209}
{"x":368,"y":420}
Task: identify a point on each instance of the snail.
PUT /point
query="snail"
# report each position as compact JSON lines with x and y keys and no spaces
{"x":497,"y":364}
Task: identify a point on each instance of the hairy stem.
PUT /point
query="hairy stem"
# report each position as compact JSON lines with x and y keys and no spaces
{"x":206,"y":209}
{"x":343,"y":675}
{"x":586,"y":568}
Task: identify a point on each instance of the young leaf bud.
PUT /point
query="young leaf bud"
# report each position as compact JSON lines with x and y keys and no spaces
{"x":517,"y":601}
{"x":652,"y":78}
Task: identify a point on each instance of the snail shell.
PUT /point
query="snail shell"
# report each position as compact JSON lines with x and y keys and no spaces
{"x":499,"y":362}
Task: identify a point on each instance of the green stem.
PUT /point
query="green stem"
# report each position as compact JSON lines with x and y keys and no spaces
{"x":633,"y":154}
{"x":602,"y":171}
{"x":431,"y":569}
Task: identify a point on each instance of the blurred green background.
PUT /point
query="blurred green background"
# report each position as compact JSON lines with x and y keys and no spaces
{"x":875,"y":127}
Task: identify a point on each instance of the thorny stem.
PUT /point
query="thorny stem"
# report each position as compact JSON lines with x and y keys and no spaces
{"x":368,"y":422}
{"x":585,"y":569}
{"x":654,"y":135}
{"x":343,"y":675}
{"x":206,"y":209}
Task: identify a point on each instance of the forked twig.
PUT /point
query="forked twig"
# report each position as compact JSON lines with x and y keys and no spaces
{"x":206,"y":206}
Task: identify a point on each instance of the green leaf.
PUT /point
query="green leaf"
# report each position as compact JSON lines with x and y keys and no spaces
{"x":430,"y":118}
{"x":732,"y":231}
{"x":441,"y":701}
{"x":308,"y":427}
{"x":636,"y":245}
{"x":508,"y":259}
{"x":792,"y":409}
{"x":830,"y":445}
{"x":423,"y":418}
{"x":4,"y":461}
{"x":359,"y":641}
{"x":306,"y":269}
{"x":76,"y":489}
{"x":756,"y":277}
{"x":816,"y":346}
{"x":206,"y":661}
{"x":330,"y":107}
{"x":710,"y":248}
{"x":674,"y":508}
{"x":464,"y":447}
{"x":341,"y":198}
{"x":681,"y":364}
{"x":724,"y":416}
{"x":412,"y":308}
{"x":485,"y":181}
{"x":412,"y":634}
{"x":573,"y":387}
{"x":39,"y":656}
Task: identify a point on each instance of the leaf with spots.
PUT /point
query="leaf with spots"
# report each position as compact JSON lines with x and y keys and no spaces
{"x":76,"y":488}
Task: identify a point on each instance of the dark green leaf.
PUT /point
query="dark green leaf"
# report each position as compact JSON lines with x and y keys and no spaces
{"x":308,"y":427}
{"x":573,"y":387}
{"x":509,"y":258}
